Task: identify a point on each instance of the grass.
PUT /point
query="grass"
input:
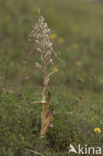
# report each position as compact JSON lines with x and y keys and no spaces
{"x":77,"y":88}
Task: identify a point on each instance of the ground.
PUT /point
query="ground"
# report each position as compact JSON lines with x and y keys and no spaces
{"x":76,"y":89}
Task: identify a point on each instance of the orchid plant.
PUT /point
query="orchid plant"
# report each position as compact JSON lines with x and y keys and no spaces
{"x":43,"y":47}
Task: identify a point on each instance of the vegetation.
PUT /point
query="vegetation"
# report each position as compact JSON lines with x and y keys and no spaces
{"x":76,"y":89}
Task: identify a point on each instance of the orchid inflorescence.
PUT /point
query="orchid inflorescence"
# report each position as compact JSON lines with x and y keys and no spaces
{"x":40,"y":36}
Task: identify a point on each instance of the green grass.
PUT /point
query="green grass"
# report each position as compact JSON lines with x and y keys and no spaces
{"x":77,"y":91}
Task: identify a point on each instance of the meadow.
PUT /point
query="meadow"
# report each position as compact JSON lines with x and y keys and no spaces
{"x":76,"y":89}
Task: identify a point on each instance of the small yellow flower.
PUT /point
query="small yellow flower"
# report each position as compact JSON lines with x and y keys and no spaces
{"x":75,"y":46}
{"x":35,"y":10}
{"x":78,"y":63}
{"x":101,"y":81}
{"x":60,"y":40}
{"x":97,"y":130}
{"x":53,"y":36}
{"x":54,"y":69}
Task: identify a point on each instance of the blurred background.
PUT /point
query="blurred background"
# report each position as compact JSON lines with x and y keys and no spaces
{"x":77,"y":27}
{"x":78,"y":35}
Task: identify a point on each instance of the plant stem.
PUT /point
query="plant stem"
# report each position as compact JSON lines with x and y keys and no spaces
{"x":46,"y":114}
{"x":45,"y":84}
